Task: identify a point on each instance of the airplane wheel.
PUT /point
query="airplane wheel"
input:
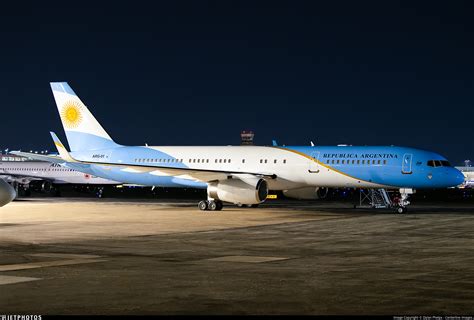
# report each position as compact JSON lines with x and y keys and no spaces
{"x":212,"y":205}
{"x":202,"y":205}
{"x":401,"y":210}
{"x":219,"y":205}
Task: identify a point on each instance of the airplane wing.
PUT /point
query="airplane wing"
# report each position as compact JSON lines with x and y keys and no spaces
{"x":21,"y":178}
{"x":202,"y":175}
{"x":42,"y":157}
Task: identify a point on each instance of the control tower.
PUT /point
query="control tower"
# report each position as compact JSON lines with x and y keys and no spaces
{"x":246,"y":137}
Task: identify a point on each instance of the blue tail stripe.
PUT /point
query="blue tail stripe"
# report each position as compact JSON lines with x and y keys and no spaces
{"x":62,"y":87}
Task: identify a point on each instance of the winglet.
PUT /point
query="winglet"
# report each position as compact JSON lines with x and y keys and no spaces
{"x":61,"y":149}
{"x":274,"y":143}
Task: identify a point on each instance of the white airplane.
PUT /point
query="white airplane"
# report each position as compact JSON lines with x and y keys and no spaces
{"x":243,"y":174}
{"x":468,"y":173}
{"x":47,"y":174}
{"x":7,"y":193}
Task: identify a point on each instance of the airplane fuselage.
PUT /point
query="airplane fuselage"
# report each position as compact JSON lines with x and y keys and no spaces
{"x":288,"y":167}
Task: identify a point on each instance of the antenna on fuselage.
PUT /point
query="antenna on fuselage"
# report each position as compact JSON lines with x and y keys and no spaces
{"x":312,"y":144}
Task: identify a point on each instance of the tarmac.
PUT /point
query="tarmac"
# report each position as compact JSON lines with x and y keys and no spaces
{"x":155,"y":257}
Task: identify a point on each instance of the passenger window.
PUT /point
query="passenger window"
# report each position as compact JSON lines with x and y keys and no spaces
{"x":327,"y":161}
{"x":274,"y":161}
{"x":353,"y":161}
{"x":358,"y":161}
{"x":332,"y":162}
{"x":243,"y":160}
{"x":385,"y":162}
{"x":337,"y":161}
{"x":220,"y":160}
{"x":228,"y":161}
{"x":363,"y":161}
{"x":284,"y":160}
{"x":378,"y":162}
{"x":266,"y":161}
{"x":342,"y":162}
{"x":261,"y":161}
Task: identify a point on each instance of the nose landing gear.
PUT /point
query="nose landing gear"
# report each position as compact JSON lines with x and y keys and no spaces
{"x":403,"y":202}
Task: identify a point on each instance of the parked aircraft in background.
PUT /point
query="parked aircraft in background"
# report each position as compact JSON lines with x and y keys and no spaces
{"x":45,"y":175}
{"x":244,"y":174}
{"x":468,"y":173}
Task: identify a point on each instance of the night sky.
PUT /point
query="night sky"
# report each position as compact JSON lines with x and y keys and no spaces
{"x":198,"y":72}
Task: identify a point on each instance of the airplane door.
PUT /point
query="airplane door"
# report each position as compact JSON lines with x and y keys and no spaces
{"x":313,"y":162}
{"x":406,"y":164}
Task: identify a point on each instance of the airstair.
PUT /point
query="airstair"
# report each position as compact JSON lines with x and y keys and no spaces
{"x":377,"y":198}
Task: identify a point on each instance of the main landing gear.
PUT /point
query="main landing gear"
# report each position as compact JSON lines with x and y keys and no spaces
{"x":211,"y":205}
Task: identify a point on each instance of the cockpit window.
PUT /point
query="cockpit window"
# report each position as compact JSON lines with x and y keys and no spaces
{"x":445,"y":163}
{"x":438,"y":163}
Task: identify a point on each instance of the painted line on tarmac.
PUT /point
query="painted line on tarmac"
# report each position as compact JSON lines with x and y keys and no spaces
{"x":11,"y":279}
{"x":64,"y":255}
{"x":46,"y":264}
{"x":247,"y":259}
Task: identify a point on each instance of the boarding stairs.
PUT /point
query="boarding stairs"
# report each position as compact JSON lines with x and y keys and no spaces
{"x":380,"y":198}
{"x":377,"y":198}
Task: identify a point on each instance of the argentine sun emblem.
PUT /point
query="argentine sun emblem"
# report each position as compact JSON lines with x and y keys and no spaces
{"x":71,"y":114}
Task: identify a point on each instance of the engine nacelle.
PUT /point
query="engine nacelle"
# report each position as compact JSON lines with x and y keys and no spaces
{"x":252,"y":191}
{"x":7,"y":193}
{"x":306,"y":193}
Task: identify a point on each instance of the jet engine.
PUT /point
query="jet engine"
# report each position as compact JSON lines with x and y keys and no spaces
{"x":249,"y":190}
{"x":7,"y":193}
{"x":306,"y":193}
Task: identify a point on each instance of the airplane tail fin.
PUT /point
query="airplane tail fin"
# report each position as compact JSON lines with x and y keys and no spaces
{"x":83,"y":131}
{"x":63,"y":153}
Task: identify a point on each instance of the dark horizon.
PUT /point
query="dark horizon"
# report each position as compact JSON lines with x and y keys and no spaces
{"x":197,"y":73}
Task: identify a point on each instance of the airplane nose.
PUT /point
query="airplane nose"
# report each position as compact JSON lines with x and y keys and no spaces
{"x":458,"y":177}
